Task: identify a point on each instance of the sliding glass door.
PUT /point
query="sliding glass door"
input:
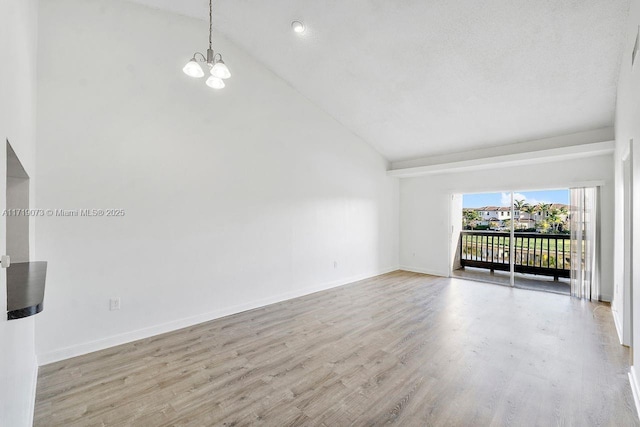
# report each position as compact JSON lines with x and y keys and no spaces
{"x":544,"y":245}
{"x":485,"y":239}
{"x":523,"y":240}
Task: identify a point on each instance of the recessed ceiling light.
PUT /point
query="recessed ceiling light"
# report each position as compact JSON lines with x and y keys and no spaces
{"x":297,"y":27}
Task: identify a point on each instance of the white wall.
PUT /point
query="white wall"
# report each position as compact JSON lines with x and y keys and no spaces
{"x":17,"y":239}
{"x":233,"y":199}
{"x":18,"y":37}
{"x":627,"y":127}
{"x":425,"y":202}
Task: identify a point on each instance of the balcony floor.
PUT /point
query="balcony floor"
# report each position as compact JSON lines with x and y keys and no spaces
{"x":523,"y":281}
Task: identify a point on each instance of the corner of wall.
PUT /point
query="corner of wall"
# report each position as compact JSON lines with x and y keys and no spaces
{"x":34,"y":387}
{"x":633,"y":379}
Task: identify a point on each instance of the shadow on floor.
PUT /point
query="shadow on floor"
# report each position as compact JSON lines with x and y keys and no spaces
{"x":530,"y":282}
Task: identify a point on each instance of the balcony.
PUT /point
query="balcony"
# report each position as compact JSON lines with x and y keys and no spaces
{"x":541,"y":260}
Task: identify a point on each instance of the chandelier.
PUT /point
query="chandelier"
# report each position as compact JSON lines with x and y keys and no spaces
{"x":217,"y":68}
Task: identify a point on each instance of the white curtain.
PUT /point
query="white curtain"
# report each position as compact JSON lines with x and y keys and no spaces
{"x":584,"y":243}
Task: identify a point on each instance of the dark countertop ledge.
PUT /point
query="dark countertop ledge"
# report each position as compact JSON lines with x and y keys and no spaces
{"x":25,"y":288}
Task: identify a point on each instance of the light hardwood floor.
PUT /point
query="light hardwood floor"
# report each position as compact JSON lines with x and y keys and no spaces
{"x":401,"y":348}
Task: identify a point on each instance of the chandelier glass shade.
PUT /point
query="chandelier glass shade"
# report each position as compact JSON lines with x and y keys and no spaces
{"x":215,"y":83}
{"x":193,"y":69}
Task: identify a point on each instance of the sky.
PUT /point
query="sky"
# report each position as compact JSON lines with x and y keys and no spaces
{"x":504,"y":199}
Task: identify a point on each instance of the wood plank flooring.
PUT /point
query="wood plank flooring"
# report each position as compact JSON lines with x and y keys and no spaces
{"x":402,"y":348}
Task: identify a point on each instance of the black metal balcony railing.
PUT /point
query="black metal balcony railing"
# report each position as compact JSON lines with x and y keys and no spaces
{"x":543,"y":254}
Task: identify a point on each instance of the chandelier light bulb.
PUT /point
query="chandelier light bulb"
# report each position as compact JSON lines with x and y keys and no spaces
{"x":193,"y":69}
{"x":297,"y":27}
{"x":220,"y":70}
{"x":215,"y":82}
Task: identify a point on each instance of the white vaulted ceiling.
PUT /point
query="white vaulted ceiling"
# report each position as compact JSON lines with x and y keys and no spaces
{"x":422,"y":77}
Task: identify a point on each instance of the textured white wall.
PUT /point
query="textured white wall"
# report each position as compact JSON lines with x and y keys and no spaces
{"x":233,"y":199}
{"x":18,"y":37}
{"x":425,"y":203}
{"x":628,"y":127}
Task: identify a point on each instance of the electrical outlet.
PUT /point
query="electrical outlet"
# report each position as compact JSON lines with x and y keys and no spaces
{"x":114,"y":304}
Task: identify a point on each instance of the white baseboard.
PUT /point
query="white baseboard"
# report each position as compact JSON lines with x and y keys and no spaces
{"x":633,"y":379}
{"x":114,"y":340}
{"x":606,"y":298}
{"x":618,"y":326}
{"x":423,"y":271}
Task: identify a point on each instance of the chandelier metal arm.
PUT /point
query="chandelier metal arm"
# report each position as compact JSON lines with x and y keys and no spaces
{"x":210,"y":58}
{"x":204,"y":58}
